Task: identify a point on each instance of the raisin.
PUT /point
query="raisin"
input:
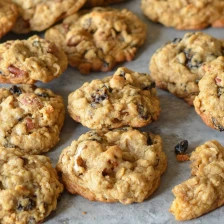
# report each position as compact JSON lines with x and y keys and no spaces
{"x":220,"y":91}
{"x":152,"y":85}
{"x":44,"y":95}
{"x":99,"y":96}
{"x":122,"y":74}
{"x":29,"y":205}
{"x":15,"y":90}
{"x":176,"y":40}
{"x":181,"y":147}
{"x":190,"y":63}
{"x":142,"y":112}
{"x":217,"y":126}
{"x":149,"y":141}
{"x":106,"y":64}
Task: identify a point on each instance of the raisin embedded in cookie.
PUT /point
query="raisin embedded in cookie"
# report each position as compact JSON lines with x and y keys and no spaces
{"x":126,"y":98}
{"x":98,"y":39}
{"x":203,"y":192}
{"x":209,"y":103}
{"x":8,"y":15}
{"x":185,"y":14}
{"x":38,"y":15}
{"x":31,"y":60}
{"x":30,"y":118}
{"x":177,"y":66}
{"x":113,"y":166}
{"x":29,"y":187}
{"x":92,"y":3}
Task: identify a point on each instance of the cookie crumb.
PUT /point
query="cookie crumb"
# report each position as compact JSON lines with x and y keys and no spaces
{"x":84,"y":213}
{"x":182,"y":157}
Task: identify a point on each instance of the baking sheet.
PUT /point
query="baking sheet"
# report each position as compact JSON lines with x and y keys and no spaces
{"x":177,"y":122}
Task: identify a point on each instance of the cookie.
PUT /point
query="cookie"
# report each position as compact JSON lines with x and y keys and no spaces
{"x":177,"y":66}
{"x":31,"y":60}
{"x":38,"y":15}
{"x":29,"y":187}
{"x":127,"y":98}
{"x":8,"y":15}
{"x":30,"y":118}
{"x":98,"y":39}
{"x":93,"y":3}
{"x":113,"y":166}
{"x":203,"y":192}
{"x":209,"y":103}
{"x":185,"y":14}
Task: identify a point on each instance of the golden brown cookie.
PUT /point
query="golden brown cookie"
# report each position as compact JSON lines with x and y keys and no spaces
{"x":30,"y":118}
{"x":203,"y":192}
{"x":185,"y":14}
{"x":178,"y":65}
{"x":8,"y":15}
{"x":121,"y":165}
{"x":98,"y":39}
{"x":126,"y":98}
{"x":29,"y":187}
{"x":38,"y":15}
{"x":209,"y":103}
{"x":31,"y":60}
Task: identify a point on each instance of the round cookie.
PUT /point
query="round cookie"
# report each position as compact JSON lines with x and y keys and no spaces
{"x":125,"y":99}
{"x":31,"y":60}
{"x":30,"y":118}
{"x":8,"y":15}
{"x":203,"y":192}
{"x":110,"y":166}
{"x":209,"y":103}
{"x":177,"y":65}
{"x":38,"y":15}
{"x":98,"y":39}
{"x":93,"y":3}
{"x":29,"y":187}
{"x":185,"y":14}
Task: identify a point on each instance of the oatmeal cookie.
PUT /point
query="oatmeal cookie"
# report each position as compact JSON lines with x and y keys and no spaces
{"x":126,"y":98}
{"x":98,"y":39}
{"x":177,"y":66}
{"x":110,"y":166}
{"x":29,"y":187}
{"x":92,"y":3}
{"x":30,"y":118}
{"x":8,"y":15}
{"x":38,"y":15}
{"x":185,"y":14}
{"x":209,"y":103}
{"x":31,"y":60}
{"x":203,"y":192}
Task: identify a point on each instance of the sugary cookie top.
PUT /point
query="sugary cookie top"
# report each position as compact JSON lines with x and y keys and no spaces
{"x":98,"y":39}
{"x":126,"y":98}
{"x":185,"y":14}
{"x":120,"y":165}
{"x":177,"y":65}
{"x":209,"y":102}
{"x":29,"y":187}
{"x":38,"y":15}
{"x":8,"y":15}
{"x":30,"y":118}
{"x":31,"y":60}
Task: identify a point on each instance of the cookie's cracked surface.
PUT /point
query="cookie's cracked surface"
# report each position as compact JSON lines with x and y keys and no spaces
{"x":38,"y":15}
{"x":8,"y":15}
{"x":29,"y":187}
{"x":177,"y":66}
{"x":31,"y":60}
{"x":30,"y":118}
{"x":185,"y":14}
{"x":98,"y":39}
{"x":203,"y":192}
{"x":121,"y":165}
{"x":126,"y":98}
{"x":209,"y":103}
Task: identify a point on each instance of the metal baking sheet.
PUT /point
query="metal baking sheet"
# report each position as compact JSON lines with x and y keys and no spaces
{"x":177,"y":122}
